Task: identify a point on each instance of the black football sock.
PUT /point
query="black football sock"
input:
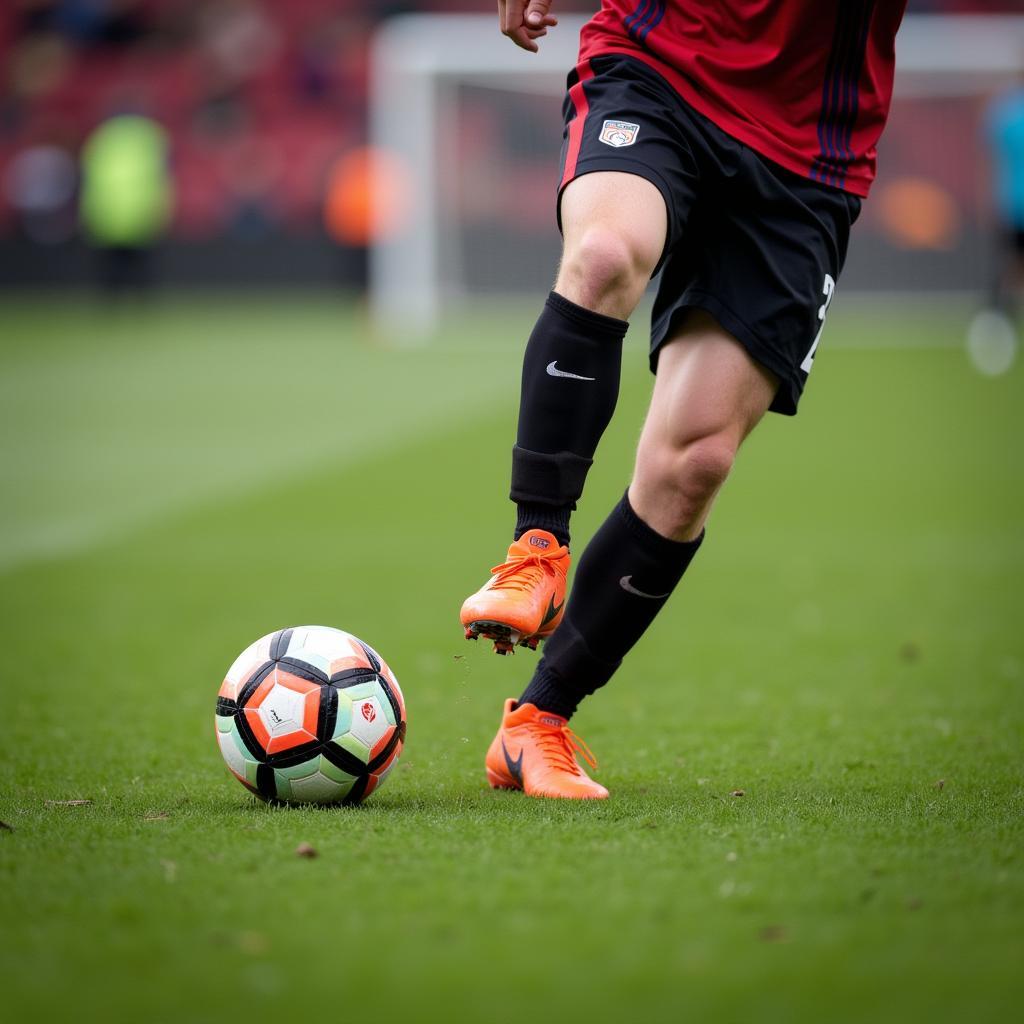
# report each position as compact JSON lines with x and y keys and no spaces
{"x":569,"y":388}
{"x":624,"y":577}
{"x":534,"y":516}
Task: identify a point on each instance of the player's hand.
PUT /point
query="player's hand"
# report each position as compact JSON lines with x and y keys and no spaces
{"x":525,"y":21}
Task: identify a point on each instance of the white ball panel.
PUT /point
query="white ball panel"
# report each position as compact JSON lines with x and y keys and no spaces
{"x":321,"y":644}
{"x":317,"y":788}
{"x":369,"y":722}
{"x":281,"y":710}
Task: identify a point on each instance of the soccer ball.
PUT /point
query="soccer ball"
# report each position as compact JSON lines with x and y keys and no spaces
{"x":310,"y":715}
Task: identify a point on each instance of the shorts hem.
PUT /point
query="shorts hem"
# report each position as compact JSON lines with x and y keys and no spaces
{"x":787,"y":397}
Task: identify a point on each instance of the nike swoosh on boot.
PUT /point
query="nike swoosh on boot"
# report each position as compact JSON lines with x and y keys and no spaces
{"x":552,"y":611}
{"x":515,"y":768}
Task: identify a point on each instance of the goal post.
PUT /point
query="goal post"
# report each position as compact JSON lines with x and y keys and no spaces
{"x":416,"y":62}
{"x":426,"y":68}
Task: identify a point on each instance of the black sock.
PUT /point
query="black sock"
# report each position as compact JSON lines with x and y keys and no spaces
{"x":534,"y":516}
{"x":569,"y":388}
{"x":624,"y":577}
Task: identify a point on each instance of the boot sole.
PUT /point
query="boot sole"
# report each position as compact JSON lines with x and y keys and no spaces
{"x":504,"y":637}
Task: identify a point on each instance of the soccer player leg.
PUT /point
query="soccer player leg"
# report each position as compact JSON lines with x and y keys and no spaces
{"x":709,"y":394}
{"x":614,"y":226}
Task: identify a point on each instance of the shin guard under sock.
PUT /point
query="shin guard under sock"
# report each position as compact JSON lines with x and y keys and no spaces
{"x":623,"y":580}
{"x":570,"y":385}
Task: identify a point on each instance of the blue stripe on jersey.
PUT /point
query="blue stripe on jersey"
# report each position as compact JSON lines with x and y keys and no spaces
{"x":641,"y":12}
{"x":652,"y":23}
{"x":825,"y":165}
{"x":853,"y":84}
{"x":646,"y":16}
{"x":840,"y":92}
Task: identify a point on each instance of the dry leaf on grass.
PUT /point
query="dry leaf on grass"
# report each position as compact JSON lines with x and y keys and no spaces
{"x":910,"y":651}
{"x":4,"y":827}
{"x":305,"y":850}
{"x":773,"y":933}
{"x":738,"y":792}
{"x":254,"y":943}
{"x":66,"y":803}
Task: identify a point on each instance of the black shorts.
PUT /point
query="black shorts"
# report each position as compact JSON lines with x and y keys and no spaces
{"x":758,"y":247}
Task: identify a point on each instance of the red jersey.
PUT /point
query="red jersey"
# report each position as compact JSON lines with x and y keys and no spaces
{"x":805,"y":83}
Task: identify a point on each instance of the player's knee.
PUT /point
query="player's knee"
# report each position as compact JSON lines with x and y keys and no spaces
{"x":691,"y":474}
{"x":704,"y":465}
{"x":606,"y":270}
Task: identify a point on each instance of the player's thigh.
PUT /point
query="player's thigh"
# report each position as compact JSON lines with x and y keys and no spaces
{"x":605,"y":208}
{"x":628,"y":175}
{"x":708,"y":386}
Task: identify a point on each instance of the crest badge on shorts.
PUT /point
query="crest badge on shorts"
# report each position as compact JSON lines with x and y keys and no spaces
{"x":619,"y":133}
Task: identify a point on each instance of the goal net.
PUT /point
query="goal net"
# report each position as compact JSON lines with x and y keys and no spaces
{"x":476,"y":124}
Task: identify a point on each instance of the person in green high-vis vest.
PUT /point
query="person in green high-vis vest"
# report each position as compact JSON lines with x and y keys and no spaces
{"x":126,"y":197}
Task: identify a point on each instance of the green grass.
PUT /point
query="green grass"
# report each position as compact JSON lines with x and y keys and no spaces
{"x":847,"y":651}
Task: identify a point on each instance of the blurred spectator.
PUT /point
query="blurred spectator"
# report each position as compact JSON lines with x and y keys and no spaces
{"x":40,"y":186}
{"x":252,"y":170}
{"x":126,"y":197}
{"x":99,"y":22}
{"x":992,"y":337}
{"x":1006,"y":144}
{"x":238,"y":37}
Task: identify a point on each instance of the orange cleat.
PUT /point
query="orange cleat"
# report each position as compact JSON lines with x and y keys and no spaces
{"x":522,"y":602}
{"x":535,"y":751}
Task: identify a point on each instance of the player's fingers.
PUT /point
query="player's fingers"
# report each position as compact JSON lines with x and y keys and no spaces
{"x":510,"y":15}
{"x":538,"y":28}
{"x":537,"y":13}
{"x":521,"y":37}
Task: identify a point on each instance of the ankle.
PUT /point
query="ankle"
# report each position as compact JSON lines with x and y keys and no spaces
{"x":552,"y":518}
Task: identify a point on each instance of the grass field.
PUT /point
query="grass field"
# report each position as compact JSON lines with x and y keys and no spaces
{"x":847,"y":653}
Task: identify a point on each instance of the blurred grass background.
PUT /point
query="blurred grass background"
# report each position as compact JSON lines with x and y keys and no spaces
{"x":184,"y":475}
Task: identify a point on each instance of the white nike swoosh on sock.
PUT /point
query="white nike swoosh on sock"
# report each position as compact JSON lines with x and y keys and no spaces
{"x":553,"y":371}
{"x":630,"y":589}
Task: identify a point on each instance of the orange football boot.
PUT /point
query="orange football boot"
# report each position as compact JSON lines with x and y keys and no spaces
{"x":522,"y":602}
{"x":535,"y":751}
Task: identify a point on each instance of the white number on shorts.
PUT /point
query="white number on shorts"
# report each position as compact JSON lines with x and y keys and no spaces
{"x":828,"y":289}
